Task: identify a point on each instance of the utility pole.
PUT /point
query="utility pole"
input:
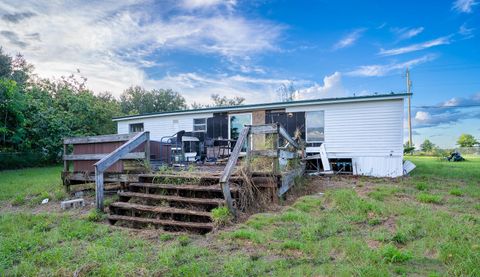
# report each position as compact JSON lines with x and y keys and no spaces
{"x":409,"y":86}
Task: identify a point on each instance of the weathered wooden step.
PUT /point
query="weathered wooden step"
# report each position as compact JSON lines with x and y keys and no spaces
{"x":172,"y":198}
{"x":211,"y":188}
{"x":158,"y":209}
{"x":169,"y":223}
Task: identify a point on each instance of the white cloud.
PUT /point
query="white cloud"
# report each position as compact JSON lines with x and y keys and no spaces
{"x":466,"y":32}
{"x":198,"y":88}
{"x":422,"y":116}
{"x":111,"y":43}
{"x":195,"y":4}
{"x":377,"y":70}
{"x":464,"y":6}
{"x":332,"y":87}
{"x":349,"y":39}
{"x":406,"y":33}
{"x":416,"y":47}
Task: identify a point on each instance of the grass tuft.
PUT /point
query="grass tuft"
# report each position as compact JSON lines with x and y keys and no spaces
{"x":456,"y":192}
{"x":392,"y":254}
{"x":221,"y":216}
{"x":96,"y":216}
{"x":429,"y":198}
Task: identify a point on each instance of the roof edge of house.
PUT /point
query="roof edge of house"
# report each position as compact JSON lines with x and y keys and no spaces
{"x":273,"y":105}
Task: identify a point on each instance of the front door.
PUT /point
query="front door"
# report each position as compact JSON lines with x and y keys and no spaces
{"x":236,"y":122}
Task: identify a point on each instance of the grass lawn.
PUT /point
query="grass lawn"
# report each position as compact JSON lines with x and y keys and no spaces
{"x":427,"y":224}
{"x":27,"y":184}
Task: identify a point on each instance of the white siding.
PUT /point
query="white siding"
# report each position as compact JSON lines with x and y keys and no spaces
{"x":162,"y":126}
{"x":371,"y":133}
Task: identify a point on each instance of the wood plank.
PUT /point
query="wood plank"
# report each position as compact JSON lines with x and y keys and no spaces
{"x":90,"y":177}
{"x":284,"y":154}
{"x":158,"y":209}
{"x":264,"y":129}
{"x":288,"y":179}
{"x":192,"y":225}
{"x":98,"y":139}
{"x":121,"y":151}
{"x":93,"y":157}
{"x":99,"y":189}
{"x":323,"y":155}
{"x":227,"y":172}
{"x":212,"y":188}
{"x":284,"y":134}
{"x":266,"y":153}
{"x":173,"y":198}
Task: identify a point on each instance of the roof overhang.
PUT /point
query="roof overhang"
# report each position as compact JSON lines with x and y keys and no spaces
{"x":274,"y":105}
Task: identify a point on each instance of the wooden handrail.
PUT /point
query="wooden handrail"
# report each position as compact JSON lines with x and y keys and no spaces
{"x":227,"y":172}
{"x":115,"y":156}
{"x":284,"y":134}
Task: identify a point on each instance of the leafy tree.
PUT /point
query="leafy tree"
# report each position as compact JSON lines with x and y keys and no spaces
{"x":427,"y":146}
{"x":467,"y":140}
{"x":135,"y":100}
{"x":407,"y":149}
{"x":286,"y":92}
{"x":220,"y":101}
{"x":12,"y":107}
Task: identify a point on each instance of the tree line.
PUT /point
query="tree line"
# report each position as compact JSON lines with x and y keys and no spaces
{"x":37,"y":113}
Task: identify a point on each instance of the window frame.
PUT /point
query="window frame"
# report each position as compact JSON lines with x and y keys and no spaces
{"x":307,"y":123}
{"x":132,"y":125}
{"x":204,"y":129}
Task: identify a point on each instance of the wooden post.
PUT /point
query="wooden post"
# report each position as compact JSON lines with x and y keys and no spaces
{"x":276,"y":162}
{"x":65,"y":162}
{"x":99,"y":189}
{"x":147,"y":151}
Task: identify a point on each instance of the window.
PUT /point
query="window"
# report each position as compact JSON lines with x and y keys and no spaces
{"x":237,"y":122}
{"x":199,"y":124}
{"x":315,"y":123}
{"x":136,"y":127}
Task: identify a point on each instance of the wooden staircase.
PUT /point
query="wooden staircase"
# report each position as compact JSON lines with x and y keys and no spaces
{"x":178,"y":203}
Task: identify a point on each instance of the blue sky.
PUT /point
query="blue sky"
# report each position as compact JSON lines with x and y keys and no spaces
{"x":251,"y":48}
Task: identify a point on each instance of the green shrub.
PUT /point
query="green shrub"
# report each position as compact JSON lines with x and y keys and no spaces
{"x":429,"y":198}
{"x":392,"y":254}
{"x":17,"y":160}
{"x":221,"y":216}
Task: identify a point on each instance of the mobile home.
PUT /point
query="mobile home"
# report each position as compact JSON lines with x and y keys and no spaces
{"x":365,"y":132}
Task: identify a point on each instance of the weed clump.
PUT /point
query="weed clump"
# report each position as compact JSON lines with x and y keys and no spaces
{"x":184,"y":240}
{"x":429,"y":198}
{"x":166,"y":237}
{"x":456,"y":192}
{"x":221,"y":216}
{"x":18,"y":200}
{"x":421,"y":186}
{"x":392,"y":254}
{"x":95,"y":216}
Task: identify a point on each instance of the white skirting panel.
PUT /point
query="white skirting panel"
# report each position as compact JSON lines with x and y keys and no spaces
{"x":378,"y":166}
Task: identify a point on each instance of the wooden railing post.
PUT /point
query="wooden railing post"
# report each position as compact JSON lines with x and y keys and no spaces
{"x":112,"y":158}
{"x":232,"y":161}
{"x":99,"y":188}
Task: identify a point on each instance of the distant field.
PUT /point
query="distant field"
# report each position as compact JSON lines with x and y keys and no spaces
{"x":424,"y":225}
